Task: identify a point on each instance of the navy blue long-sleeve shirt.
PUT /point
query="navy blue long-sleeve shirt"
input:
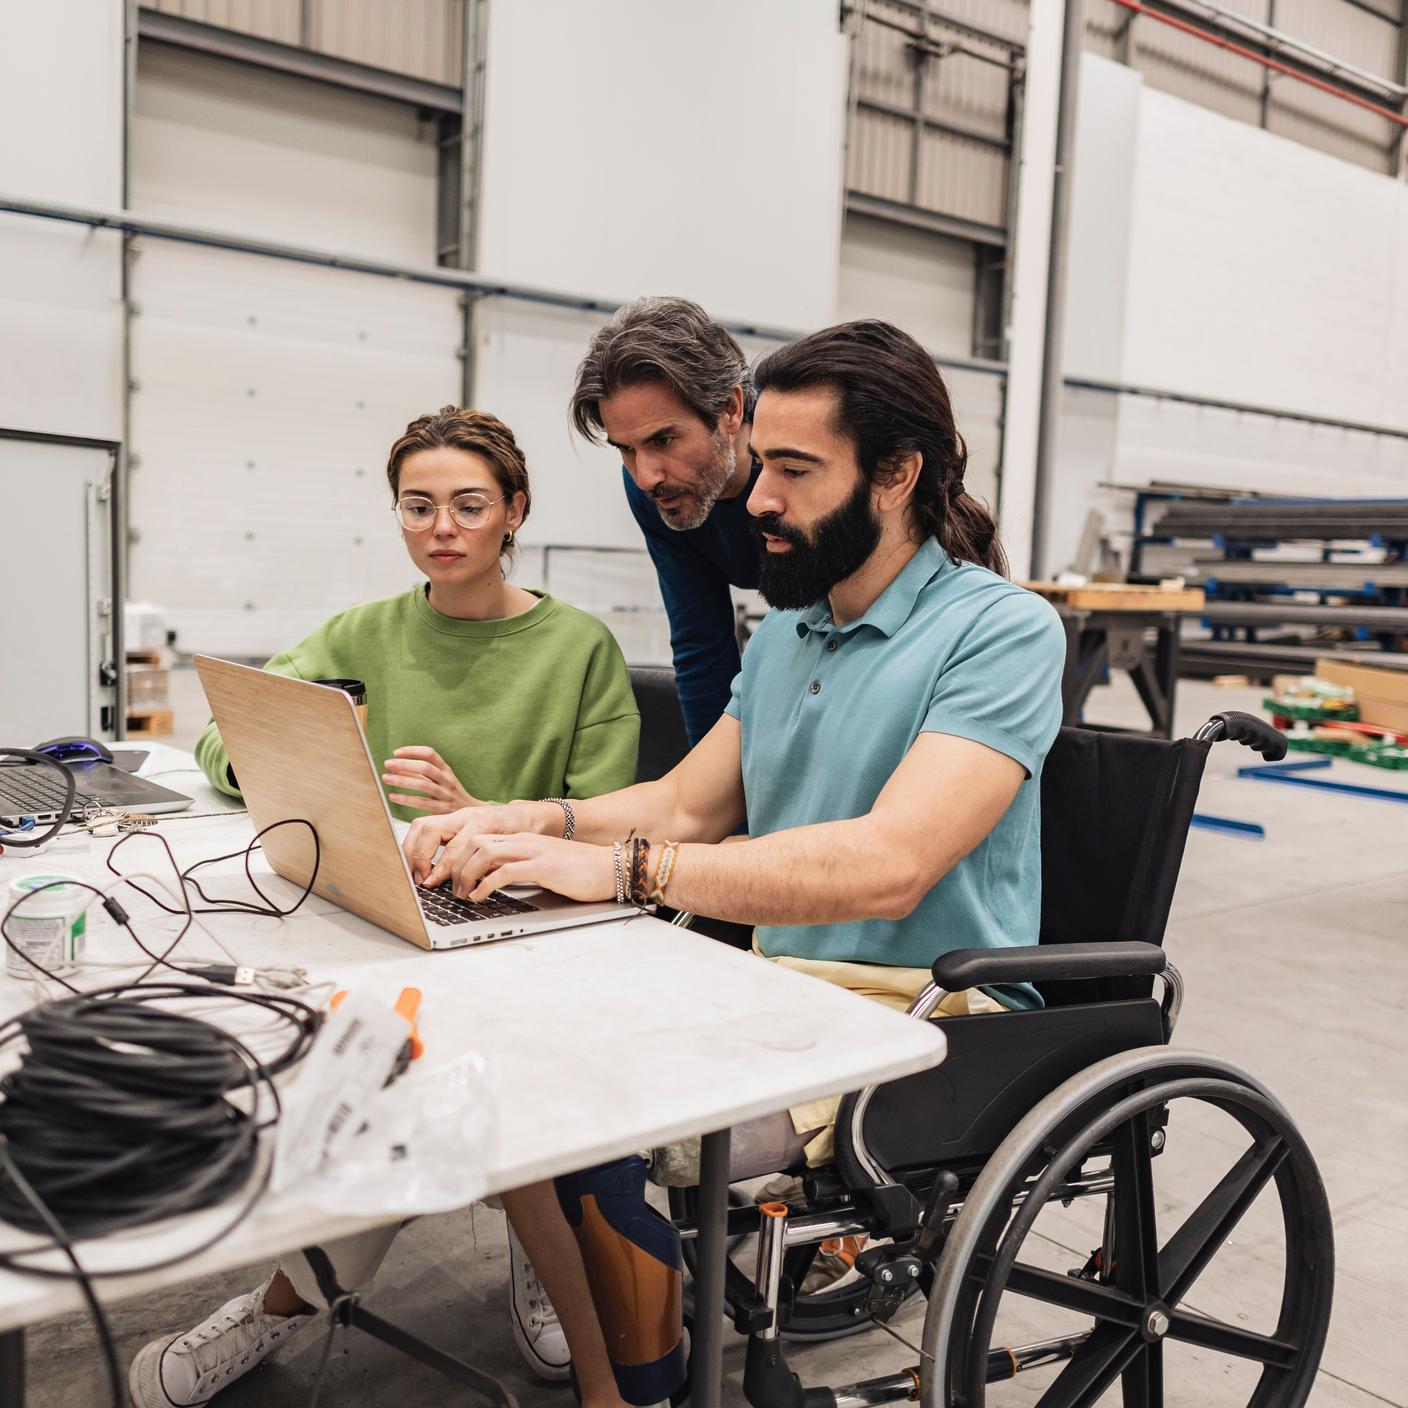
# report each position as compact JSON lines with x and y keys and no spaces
{"x":696,"y":567}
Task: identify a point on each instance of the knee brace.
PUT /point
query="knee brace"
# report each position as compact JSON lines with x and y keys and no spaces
{"x":636,"y":1274}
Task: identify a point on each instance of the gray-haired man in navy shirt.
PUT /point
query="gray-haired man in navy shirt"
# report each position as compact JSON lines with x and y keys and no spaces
{"x":667,"y":387}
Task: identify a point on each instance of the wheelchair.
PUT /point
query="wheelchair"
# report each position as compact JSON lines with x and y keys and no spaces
{"x":952,"y":1173}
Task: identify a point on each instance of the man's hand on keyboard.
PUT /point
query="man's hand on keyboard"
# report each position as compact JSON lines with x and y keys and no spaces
{"x":428,"y":834}
{"x":485,"y":862}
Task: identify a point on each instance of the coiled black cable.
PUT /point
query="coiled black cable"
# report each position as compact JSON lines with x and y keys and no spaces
{"x":120,"y":1113}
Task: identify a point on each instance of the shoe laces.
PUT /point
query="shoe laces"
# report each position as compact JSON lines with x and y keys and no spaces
{"x":223,"y":1340}
{"x":541,"y":1311}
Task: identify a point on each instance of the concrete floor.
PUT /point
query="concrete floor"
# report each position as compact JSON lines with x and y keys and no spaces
{"x":1291,"y":952}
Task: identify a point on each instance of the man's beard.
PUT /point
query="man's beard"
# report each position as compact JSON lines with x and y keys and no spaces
{"x":836,"y":548}
{"x":709,"y":484}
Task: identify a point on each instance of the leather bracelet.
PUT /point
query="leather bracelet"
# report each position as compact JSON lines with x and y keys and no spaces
{"x":664,"y":871}
{"x":640,"y":870}
{"x":569,"y":826}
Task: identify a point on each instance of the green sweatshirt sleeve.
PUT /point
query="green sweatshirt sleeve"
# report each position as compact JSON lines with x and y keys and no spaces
{"x":211,"y":755}
{"x":607,"y":736}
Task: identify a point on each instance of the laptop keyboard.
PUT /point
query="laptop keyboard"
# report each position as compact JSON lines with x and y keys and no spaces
{"x":441,"y":907}
{"x":34,"y":790}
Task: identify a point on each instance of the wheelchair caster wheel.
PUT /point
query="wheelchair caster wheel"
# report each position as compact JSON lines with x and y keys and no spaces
{"x":1173,"y":1290}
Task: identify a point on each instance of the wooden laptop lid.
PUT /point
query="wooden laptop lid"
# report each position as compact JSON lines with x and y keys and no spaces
{"x":297,"y":750}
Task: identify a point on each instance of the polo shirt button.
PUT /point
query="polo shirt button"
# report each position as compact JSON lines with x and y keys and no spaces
{"x":816,"y":686}
{"x":831,"y":645}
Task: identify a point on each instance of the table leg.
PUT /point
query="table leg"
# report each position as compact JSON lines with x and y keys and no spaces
{"x":707,"y":1346}
{"x":12,"y":1368}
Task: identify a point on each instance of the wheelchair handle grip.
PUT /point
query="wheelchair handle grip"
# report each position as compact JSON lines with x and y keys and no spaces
{"x":1255,"y":733}
{"x":1046,"y":963}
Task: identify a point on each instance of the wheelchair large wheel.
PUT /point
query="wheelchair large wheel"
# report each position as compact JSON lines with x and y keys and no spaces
{"x":1142,"y":1304}
{"x":828,"y":1316}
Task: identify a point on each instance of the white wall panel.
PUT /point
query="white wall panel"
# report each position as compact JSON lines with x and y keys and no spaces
{"x":977,"y":408}
{"x":268,"y":397}
{"x":60,"y":328}
{"x":921,"y":281}
{"x":268,"y":393}
{"x":662,"y":146}
{"x":1106,"y":151}
{"x":525,"y":366}
{"x":61,"y":101}
{"x":1211,"y":258}
{"x":266,"y":154}
{"x":1263,"y":271}
{"x":60,"y":286}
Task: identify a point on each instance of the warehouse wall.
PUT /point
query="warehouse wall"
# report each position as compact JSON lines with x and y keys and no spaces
{"x":267,"y":393}
{"x":645,"y":151}
{"x":1214,"y":259}
{"x":60,"y":286}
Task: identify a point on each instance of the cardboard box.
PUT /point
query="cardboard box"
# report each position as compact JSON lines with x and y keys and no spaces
{"x":1382,"y":695}
{"x":147,"y":685}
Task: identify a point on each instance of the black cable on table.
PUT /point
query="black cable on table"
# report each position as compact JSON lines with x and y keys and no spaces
{"x":268,"y":910}
{"x":120,"y":1114}
{"x":28,"y":755}
{"x":85,"y":1283}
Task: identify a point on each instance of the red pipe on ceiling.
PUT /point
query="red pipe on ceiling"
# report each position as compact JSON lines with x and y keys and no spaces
{"x":1264,"y":61}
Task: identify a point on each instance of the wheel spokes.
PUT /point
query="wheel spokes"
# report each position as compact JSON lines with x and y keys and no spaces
{"x":1103,"y":1302}
{"x":1189,"y":1250}
{"x":1142,"y":1383}
{"x":1135,"y":1266}
{"x":1231,"y":1339}
{"x":1093,"y":1368}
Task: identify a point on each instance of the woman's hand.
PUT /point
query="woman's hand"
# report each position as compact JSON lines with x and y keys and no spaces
{"x":484,"y":862}
{"x":425,"y":772}
{"x":456,"y":832}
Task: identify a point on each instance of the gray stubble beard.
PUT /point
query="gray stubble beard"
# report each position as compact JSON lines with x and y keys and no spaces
{"x":722,"y":464}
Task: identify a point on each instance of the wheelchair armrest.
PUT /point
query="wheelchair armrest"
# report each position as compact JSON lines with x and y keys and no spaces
{"x":1045,"y":963}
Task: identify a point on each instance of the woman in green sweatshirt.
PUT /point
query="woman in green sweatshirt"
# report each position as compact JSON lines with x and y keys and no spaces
{"x":476,"y":689}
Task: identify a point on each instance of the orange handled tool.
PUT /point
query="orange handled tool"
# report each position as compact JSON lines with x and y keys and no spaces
{"x":408,"y":1007}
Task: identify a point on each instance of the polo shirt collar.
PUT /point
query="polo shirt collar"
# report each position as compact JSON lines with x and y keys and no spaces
{"x":890,"y":610}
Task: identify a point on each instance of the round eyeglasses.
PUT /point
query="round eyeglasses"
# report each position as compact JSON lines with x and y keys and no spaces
{"x":418,"y":515}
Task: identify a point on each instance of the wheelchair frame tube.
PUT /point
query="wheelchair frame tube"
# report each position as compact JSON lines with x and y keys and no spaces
{"x":1003,"y":1364}
{"x":893,"y":1388}
{"x":767,"y":1278}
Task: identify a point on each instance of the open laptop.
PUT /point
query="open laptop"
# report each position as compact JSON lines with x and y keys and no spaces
{"x":33,"y":790}
{"x":298,"y":751}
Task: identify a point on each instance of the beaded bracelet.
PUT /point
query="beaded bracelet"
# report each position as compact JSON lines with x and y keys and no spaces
{"x":618,"y":865}
{"x":569,"y":819}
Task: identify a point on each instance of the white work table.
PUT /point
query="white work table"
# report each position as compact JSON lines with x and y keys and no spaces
{"x":598,"y":1041}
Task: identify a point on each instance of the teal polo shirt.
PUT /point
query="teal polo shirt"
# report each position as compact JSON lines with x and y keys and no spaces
{"x":828,"y":712}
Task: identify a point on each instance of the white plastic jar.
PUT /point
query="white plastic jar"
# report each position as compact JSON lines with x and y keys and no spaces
{"x":49,"y":926}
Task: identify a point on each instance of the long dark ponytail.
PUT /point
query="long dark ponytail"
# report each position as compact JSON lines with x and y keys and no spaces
{"x":893,"y":403}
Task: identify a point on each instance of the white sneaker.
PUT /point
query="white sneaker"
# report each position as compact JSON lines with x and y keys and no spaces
{"x":180,"y":1370}
{"x":535,"y":1326}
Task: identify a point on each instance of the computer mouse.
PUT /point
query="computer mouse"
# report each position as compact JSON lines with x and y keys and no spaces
{"x":75,"y":750}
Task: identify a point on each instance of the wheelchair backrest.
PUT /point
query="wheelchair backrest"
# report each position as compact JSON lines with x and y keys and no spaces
{"x":663,"y":741}
{"x":1115,"y":812}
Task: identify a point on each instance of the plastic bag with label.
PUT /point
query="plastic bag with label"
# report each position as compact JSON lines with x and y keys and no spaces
{"x":425,"y":1146}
